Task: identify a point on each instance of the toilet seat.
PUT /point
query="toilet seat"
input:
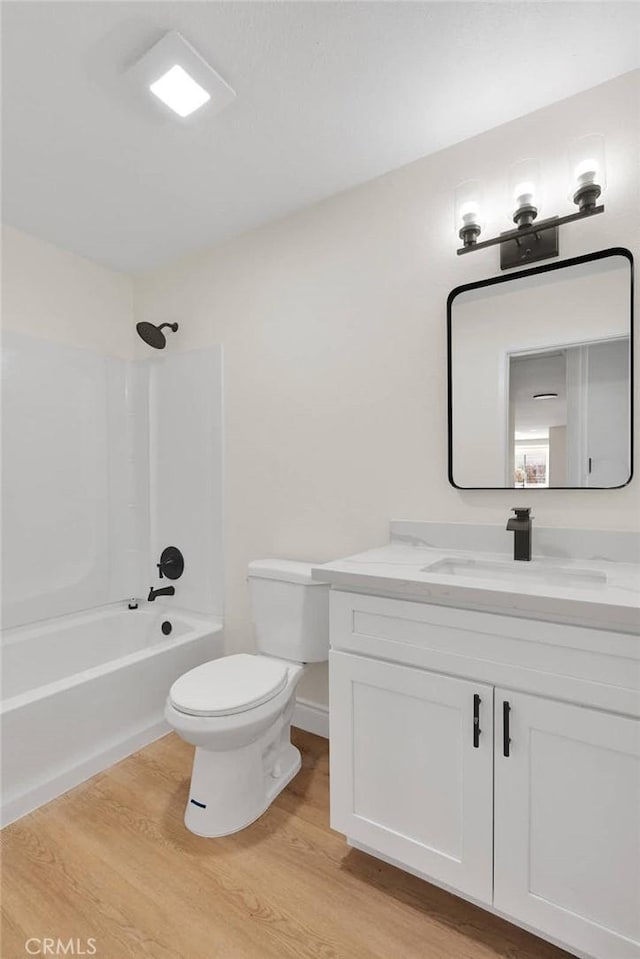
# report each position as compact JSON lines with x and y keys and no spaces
{"x":232,"y":684}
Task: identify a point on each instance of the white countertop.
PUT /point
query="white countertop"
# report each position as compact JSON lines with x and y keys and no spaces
{"x":397,"y":570}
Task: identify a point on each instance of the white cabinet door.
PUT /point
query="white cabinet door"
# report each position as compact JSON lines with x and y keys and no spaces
{"x":567,"y":823}
{"x":407,"y":780}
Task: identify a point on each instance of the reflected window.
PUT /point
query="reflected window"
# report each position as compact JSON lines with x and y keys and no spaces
{"x":531,"y":465}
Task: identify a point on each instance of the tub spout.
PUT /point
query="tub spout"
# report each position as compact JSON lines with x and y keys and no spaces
{"x":165,"y":591}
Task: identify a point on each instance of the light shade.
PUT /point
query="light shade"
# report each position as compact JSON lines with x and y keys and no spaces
{"x":524,"y":185}
{"x":179,"y":91}
{"x":587,"y":163}
{"x":468,"y":206}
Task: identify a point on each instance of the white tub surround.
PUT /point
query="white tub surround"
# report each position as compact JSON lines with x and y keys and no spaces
{"x":82,"y":691}
{"x":73,"y":532}
{"x":132,"y":455}
{"x":586,"y":578}
{"x":485,"y":732}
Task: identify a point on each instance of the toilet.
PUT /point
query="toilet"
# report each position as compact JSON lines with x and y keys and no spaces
{"x":237,"y":710}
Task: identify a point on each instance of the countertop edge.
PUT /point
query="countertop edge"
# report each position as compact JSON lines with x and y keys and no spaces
{"x":584,"y":613}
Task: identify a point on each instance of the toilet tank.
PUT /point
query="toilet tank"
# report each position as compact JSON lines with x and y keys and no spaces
{"x":290,"y":610}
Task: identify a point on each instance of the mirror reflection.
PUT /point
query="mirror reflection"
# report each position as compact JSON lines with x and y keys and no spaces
{"x":540,"y":377}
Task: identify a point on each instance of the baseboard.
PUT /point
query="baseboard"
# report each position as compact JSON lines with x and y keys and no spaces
{"x":311,"y":717}
{"x":53,"y":788}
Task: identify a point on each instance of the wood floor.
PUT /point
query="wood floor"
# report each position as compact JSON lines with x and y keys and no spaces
{"x":112,"y":860}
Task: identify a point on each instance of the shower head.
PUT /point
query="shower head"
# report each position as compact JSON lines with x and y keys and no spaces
{"x":153,"y":335}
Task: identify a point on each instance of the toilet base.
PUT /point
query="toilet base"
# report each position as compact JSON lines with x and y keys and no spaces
{"x":230,"y":790}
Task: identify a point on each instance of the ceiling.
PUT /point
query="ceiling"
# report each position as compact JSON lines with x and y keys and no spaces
{"x":329,"y":95}
{"x":538,"y":373}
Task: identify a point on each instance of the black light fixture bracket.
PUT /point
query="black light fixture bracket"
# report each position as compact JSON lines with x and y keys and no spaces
{"x":531,"y":242}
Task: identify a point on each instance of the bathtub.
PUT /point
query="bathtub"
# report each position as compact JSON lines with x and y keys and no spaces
{"x":81,"y":692}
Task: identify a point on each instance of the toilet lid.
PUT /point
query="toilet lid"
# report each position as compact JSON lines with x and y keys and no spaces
{"x":232,"y":684}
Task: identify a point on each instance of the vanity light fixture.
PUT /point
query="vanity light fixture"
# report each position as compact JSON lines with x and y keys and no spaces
{"x":534,"y":239}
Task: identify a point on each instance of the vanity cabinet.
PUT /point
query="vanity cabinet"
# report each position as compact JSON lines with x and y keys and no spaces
{"x":413,"y":777}
{"x":567,"y":823}
{"x":537,"y":815}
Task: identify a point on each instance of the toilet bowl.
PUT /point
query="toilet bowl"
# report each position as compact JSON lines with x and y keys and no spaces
{"x":237,"y":710}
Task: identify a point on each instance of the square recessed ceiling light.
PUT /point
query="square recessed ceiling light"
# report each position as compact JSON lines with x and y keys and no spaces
{"x":179,"y":91}
{"x":179,"y":77}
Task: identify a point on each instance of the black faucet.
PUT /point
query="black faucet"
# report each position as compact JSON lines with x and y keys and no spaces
{"x":521,"y":525}
{"x":165,"y":591}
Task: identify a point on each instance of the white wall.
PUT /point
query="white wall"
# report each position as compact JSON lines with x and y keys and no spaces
{"x":557,"y":455}
{"x":607,"y":413}
{"x":50,"y":293}
{"x":333,"y":326}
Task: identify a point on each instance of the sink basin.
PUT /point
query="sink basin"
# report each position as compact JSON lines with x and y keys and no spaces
{"x":533,"y":572}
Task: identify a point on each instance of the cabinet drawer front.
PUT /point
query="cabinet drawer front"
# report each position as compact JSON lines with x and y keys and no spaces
{"x":566,"y":662}
{"x":411,"y":777}
{"x":567,"y":823}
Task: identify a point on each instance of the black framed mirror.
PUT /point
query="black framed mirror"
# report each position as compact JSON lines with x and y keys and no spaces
{"x":540,"y":371}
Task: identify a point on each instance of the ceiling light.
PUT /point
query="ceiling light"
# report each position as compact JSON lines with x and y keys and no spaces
{"x":179,"y":91}
{"x":179,"y":79}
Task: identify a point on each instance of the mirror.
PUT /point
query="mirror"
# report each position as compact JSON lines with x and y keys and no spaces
{"x":540,"y":377}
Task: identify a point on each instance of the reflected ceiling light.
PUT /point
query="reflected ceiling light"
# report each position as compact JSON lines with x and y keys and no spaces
{"x":180,"y":78}
{"x":533,"y":239}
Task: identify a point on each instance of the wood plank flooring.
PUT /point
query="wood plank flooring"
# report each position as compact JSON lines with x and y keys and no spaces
{"x":112,"y":860}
